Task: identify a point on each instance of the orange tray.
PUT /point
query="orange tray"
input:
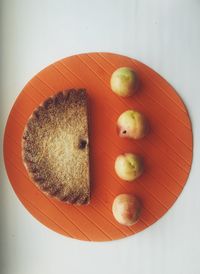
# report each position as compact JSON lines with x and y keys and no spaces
{"x":167,"y":150}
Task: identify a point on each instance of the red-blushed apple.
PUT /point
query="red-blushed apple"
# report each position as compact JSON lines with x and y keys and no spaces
{"x":129,"y":166}
{"x":132,"y":124}
{"x":124,"y":81}
{"x":126,"y":209}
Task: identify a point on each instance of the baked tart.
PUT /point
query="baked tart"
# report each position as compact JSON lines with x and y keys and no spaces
{"x":55,"y":147}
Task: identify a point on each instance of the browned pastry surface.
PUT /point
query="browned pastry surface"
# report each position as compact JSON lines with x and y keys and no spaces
{"x":55,"y":147}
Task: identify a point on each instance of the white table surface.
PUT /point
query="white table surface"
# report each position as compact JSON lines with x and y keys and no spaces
{"x":163,"y":34}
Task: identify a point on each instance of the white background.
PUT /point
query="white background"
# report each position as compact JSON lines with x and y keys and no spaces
{"x":163,"y":34}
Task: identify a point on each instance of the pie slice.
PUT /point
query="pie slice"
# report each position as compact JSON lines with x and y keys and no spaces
{"x":55,"y":147}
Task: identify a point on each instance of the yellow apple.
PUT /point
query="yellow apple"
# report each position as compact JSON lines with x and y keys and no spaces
{"x":126,"y":209}
{"x":124,"y":81}
{"x":132,"y":124}
{"x":128,"y":166}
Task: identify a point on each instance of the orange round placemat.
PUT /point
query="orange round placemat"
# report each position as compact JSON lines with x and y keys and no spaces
{"x":167,"y":150}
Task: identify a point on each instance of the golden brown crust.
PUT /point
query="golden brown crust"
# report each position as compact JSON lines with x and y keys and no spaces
{"x":55,"y":147}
